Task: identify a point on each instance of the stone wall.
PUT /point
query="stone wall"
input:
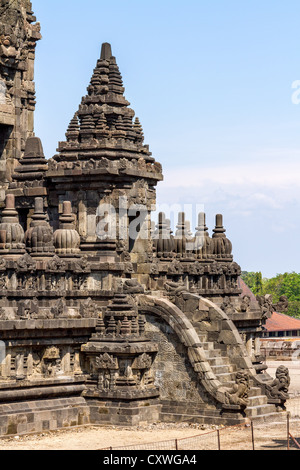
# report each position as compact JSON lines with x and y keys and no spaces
{"x":280,"y":349}
{"x":174,"y":375}
{"x":45,"y":415}
{"x":18,"y":36}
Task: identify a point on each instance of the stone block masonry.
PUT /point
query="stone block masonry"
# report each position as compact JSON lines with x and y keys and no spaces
{"x":97,"y":325}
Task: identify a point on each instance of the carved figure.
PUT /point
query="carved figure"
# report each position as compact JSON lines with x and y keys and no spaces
{"x":239,"y":393}
{"x":132,"y":286}
{"x":227,"y":306}
{"x":279,"y":388}
{"x":282,"y":305}
{"x":266,"y":304}
{"x":175,"y":288}
{"x":245,"y":304}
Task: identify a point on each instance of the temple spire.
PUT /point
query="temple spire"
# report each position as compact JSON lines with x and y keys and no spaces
{"x":104,"y":121}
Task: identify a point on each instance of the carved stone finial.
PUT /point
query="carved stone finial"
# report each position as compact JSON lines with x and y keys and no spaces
{"x":222,"y":247}
{"x":12,"y":233}
{"x":72,"y":133}
{"x":106,"y":52}
{"x":163,"y":238}
{"x":66,"y":238}
{"x":132,"y":286}
{"x":203,"y":242}
{"x":138,"y":130}
{"x":182,"y":235}
{"x":282,"y":305}
{"x":39,"y":237}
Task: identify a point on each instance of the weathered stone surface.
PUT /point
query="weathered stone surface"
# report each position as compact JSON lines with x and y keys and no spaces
{"x":117,"y":326}
{"x":18,"y":36}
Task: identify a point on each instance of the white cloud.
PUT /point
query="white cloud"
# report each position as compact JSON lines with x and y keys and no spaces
{"x":255,"y":184}
{"x":260,"y":202}
{"x":279,"y":175}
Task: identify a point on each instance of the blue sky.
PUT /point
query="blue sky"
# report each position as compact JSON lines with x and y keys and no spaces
{"x":211,"y":82}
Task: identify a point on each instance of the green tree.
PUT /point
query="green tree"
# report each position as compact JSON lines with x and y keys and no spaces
{"x":287,"y":284}
{"x":254,"y":281}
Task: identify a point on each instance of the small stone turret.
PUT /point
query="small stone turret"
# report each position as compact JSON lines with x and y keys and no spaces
{"x":11,"y":232}
{"x":162,"y":238}
{"x":203,"y":242}
{"x":222,"y":247}
{"x":34,"y":164}
{"x":182,"y":237}
{"x":66,"y":238}
{"x":72,"y":133}
{"x":39,"y":237}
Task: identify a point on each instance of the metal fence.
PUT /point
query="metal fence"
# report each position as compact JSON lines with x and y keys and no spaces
{"x":281,"y":435}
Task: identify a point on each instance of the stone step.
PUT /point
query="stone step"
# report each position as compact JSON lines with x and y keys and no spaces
{"x":254,"y":391}
{"x":212,"y":353}
{"x":202,"y":337}
{"x":218,"y":361}
{"x":274,"y":417}
{"x":260,"y":410}
{"x":201,"y":333}
{"x":223,"y":369}
{"x":226,"y":378}
{"x":258,"y":400}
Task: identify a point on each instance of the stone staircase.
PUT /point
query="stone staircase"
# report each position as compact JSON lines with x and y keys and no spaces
{"x":217,"y":354}
{"x":225,"y":372}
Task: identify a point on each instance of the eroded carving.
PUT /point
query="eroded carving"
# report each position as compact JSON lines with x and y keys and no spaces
{"x":239,"y":393}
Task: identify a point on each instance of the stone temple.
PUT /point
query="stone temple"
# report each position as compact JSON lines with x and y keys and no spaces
{"x":105,"y":316}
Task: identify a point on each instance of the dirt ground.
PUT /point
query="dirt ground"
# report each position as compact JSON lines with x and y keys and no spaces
{"x":96,"y":438}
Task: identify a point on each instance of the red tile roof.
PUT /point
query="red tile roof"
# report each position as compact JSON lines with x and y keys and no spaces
{"x":281,"y":322}
{"x":245,"y":289}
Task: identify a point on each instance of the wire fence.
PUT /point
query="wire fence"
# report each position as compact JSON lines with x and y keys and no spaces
{"x":269,"y":435}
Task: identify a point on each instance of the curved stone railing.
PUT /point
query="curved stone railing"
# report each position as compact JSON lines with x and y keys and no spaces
{"x":276,"y":391}
{"x":182,"y":313}
{"x":184,"y":329}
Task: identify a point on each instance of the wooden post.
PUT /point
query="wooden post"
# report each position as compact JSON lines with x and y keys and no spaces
{"x":219,"y":440}
{"x":288,"y":430}
{"x":252,"y":434}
